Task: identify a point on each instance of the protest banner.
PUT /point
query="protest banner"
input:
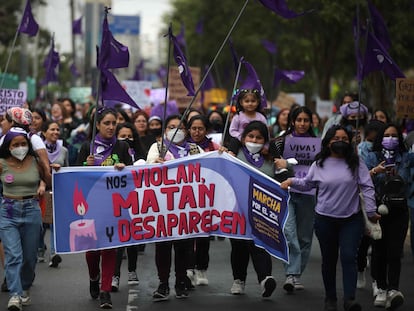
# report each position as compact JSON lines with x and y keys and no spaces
{"x":11,"y":98}
{"x":200,"y":195}
{"x":304,"y":150}
{"x":404,"y":95}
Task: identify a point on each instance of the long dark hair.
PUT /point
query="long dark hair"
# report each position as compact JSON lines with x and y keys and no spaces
{"x":293,"y":115}
{"x":259,"y":126}
{"x":377,"y":145}
{"x":5,"y":151}
{"x":351,"y":158}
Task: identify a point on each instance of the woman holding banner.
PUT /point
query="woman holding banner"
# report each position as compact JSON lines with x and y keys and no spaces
{"x":299,"y":224}
{"x":173,"y":146}
{"x":340,"y":177}
{"x":107,"y":151}
{"x":253,"y":139}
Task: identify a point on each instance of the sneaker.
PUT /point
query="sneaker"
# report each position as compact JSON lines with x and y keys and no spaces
{"x":15,"y":303}
{"x":4,"y":287}
{"x":40,"y":255}
{"x":25,"y":297}
{"x":380,"y":298}
{"x":238,"y":287}
{"x":94,"y":288}
{"x":192,"y":276}
{"x":133,"y":278}
{"x":55,"y":261}
{"x":297,"y":283}
{"x":361,"y":282}
{"x":105,"y":300}
{"x":180,"y":291}
{"x":289,"y":285}
{"x":115,"y":283}
{"x":268,"y":286}
{"x":352,"y":305}
{"x":161,"y":293}
{"x":394,"y":299}
{"x":201,"y":277}
{"x":374,"y":289}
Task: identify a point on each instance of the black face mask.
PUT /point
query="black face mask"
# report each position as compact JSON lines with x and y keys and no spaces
{"x":217,"y":126}
{"x":130,"y":142}
{"x":341,"y":148}
{"x":156,"y":131}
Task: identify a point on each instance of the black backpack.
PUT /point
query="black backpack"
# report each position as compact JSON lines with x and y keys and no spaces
{"x":392,"y":193}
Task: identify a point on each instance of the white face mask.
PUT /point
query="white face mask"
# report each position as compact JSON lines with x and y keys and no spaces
{"x":178,"y":138}
{"x":253,"y":147}
{"x":19,"y":152}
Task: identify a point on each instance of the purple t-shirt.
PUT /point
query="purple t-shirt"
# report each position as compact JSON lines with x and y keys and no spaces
{"x":338,"y":194}
{"x":240,"y":121}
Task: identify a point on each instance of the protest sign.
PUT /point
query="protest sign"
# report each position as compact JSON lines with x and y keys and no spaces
{"x":11,"y":98}
{"x":140,"y":92}
{"x":200,"y":195}
{"x":404,"y":95}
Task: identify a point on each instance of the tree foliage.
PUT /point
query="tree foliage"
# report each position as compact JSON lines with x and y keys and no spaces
{"x":320,"y":43}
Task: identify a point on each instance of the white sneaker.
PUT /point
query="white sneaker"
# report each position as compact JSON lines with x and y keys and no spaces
{"x":394,"y":299}
{"x":132,"y":278}
{"x":237,"y":287}
{"x":115,"y":283}
{"x":297,"y":283}
{"x":192,"y":276}
{"x":268,"y":286}
{"x":361,"y":282}
{"x":374,"y":289}
{"x":201,"y":277}
{"x":25,"y":298}
{"x":15,"y":303}
{"x":289,"y":285}
{"x":381,"y":298}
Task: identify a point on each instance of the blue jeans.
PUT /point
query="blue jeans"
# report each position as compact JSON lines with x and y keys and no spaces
{"x":341,"y":235}
{"x":299,"y":231}
{"x":20,"y":227}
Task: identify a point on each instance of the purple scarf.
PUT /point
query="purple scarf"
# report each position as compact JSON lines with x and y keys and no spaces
{"x":53,"y":150}
{"x":255,"y":159}
{"x":102,"y":148}
{"x":205,"y":144}
{"x":176,"y":150}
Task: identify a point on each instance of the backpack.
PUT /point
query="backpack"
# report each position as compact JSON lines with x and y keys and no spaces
{"x":392,"y":193}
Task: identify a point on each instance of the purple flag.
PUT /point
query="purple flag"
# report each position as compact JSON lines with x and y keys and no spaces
{"x":50,"y":64}
{"x":376,"y":58}
{"x":200,"y":27}
{"x":77,"y":26}
{"x":162,"y":74}
{"x":113,"y":54}
{"x":280,"y":7}
{"x":28,"y":24}
{"x":234,"y":56}
{"x":138,"y":75}
{"x":269,"y":46}
{"x":358,"y":56}
{"x":290,"y":76}
{"x":252,"y":82}
{"x":73,"y":70}
{"x":181,"y":37}
{"x":182,"y":66}
{"x":112,"y":90}
{"x":380,"y":29}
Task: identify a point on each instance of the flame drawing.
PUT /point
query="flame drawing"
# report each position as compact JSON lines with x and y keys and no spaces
{"x":79,"y":203}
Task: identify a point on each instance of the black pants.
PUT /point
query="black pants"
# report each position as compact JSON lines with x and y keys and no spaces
{"x":132,"y":253}
{"x":198,"y":256}
{"x":241,"y":250}
{"x":387,"y":252}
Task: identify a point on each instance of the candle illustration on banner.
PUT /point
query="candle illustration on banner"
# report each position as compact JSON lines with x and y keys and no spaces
{"x":82,"y":231}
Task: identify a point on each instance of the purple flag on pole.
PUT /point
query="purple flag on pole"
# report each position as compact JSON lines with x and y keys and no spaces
{"x":112,"y":90}
{"x":113,"y":54}
{"x":269,"y":46}
{"x":138,"y":75}
{"x":77,"y":26}
{"x":200,"y":27}
{"x":380,"y":29}
{"x":181,"y":37}
{"x":290,"y":76}
{"x":28,"y":24}
{"x":280,"y":7}
{"x":182,"y":66}
{"x":50,"y":64}
{"x":376,"y":58}
{"x":73,"y":70}
{"x":252,"y":82}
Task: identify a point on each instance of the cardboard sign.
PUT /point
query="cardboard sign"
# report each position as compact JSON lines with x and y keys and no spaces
{"x":404,"y":95}
{"x":177,"y":90}
{"x":11,"y":98}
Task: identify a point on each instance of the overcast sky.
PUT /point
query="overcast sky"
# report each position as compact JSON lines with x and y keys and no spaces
{"x":57,"y":17}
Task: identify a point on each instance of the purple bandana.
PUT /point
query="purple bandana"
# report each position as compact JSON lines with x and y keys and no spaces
{"x":256,"y":159}
{"x":205,"y":144}
{"x":102,"y":148}
{"x":53,"y":150}
{"x":14,"y":132}
{"x":176,"y":150}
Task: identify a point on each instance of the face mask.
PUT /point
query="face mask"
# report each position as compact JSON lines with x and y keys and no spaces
{"x":129,"y":141}
{"x":156,"y":131}
{"x":19,"y":152}
{"x":390,"y":143}
{"x":217,"y":126}
{"x":253,"y":147}
{"x":178,"y":137}
{"x":368,"y":144}
{"x":340,"y":148}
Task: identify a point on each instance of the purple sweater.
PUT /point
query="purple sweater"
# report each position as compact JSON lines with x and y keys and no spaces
{"x":338,"y":194}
